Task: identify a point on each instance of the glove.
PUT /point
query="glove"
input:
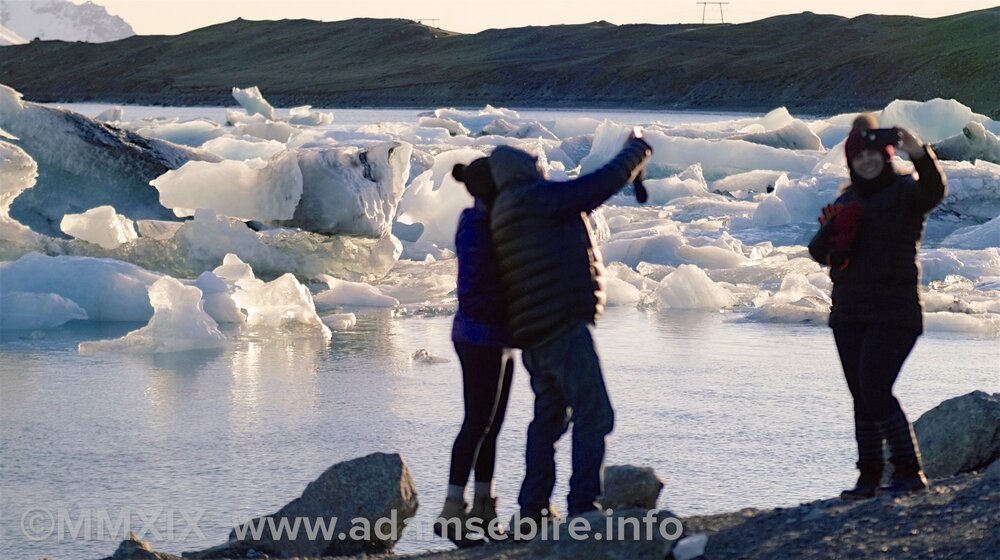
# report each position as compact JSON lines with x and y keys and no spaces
{"x":845,"y":219}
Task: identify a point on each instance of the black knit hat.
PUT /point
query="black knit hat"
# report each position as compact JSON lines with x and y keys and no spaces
{"x":477,"y":178}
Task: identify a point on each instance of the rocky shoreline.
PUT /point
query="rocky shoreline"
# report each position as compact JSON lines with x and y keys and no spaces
{"x":957,"y":518}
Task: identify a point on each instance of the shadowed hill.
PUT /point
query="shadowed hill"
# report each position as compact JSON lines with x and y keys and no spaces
{"x":807,"y":62}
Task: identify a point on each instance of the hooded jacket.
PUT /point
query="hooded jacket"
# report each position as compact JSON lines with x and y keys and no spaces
{"x":480,"y":317}
{"x":880,"y":282}
{"x":550,"y":267}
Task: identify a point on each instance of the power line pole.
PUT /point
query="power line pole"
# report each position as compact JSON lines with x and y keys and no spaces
{"x":704,"y":10}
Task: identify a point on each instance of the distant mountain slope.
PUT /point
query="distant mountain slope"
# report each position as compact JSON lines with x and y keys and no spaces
{"x":8,"y":37}
{"x":807,"y":62}
{"x":62,"y":20}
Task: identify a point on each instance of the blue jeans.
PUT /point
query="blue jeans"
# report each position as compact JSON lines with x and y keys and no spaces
{"x":566,"y":374}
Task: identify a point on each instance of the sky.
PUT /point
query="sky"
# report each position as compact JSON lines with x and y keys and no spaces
{"x":153,"y":17}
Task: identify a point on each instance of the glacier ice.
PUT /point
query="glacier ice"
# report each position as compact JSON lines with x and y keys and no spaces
{"x":106,"y":289}
{"x":253,"y":101}
{"x":101,"y":226}
{"x":34,"y":311}
{"x":190,"y":133}
{"x":83,"y":163}
{"x":345,"y":293}
{"x":243,"y":148}
{"x":974,"y":143}
{"x":304,"y":115}
{"x":352,"y":191}
{"x":689,"y":287}
{"x":435,"y":199}
{"x":251,"y":190}
{"x":179,"y":323}
{"x":975,"y":237}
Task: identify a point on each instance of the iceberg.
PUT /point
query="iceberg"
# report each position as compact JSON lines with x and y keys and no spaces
{"x":356,"y":294}
{"x":253,"y":102}
{"x":178,"y":324}
{"x":106,"y":289}
{"x":974,"y":143}
{"x":975,"y":237}
{"x":35,"y":311}
{"x":435,"y":199}
{"x":190,"y":133}
{"x":251,"y":190}
{"x":83,"y":163}
{"x":689,"y":287}
{"x":282,"y":303}
{"x":932,"y":120}
{"x":101,"y":226}
{"x":352,"y":191}
{"x":243,"y":148}
{"x":305,"y":116}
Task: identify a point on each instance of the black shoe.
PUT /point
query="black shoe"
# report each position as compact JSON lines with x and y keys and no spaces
{"x":868,"y":481}
{"x":907,"y":477}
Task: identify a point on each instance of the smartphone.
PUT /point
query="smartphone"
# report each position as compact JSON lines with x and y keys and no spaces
{"x":878,"y":137}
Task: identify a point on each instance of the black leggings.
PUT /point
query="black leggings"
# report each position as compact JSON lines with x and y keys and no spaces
{"x":486,"y":377}
{"x":872,"y":356}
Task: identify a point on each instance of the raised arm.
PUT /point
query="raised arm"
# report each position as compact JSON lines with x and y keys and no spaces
{"x":586,"y":193}
{"x":932,"y":186}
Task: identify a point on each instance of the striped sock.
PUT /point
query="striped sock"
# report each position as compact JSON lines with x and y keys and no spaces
{"x":899,"y":436}
{"x":869,"y":439}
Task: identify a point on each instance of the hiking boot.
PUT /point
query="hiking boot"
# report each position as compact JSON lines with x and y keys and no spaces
{"x":452,"y":524}
{"x":527,"y":525}
{"x":868,"y":481}
{"x":484,"y":515}
{"x":907,"y":477}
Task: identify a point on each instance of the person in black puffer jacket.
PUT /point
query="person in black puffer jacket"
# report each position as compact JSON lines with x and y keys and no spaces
{"x":869,"y":237}
{"x":552,"y":276}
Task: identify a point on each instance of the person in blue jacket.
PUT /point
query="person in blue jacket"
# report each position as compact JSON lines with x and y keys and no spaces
{"x":481,"y":340}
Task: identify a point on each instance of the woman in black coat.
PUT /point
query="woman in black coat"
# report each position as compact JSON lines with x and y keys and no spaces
{"x":869,"y":237}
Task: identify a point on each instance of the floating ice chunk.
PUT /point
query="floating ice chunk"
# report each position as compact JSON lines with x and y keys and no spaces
{"x":474,"y":121}
{"x":711,"y":256}
{"x":689,"y":287}
{"x":108,"y":290}
{"x":277,"y":131}
{"x":435,"y":199}
{"x":795,"y":135}
{"x":972,"y":190}
{"x":944,"y":321}
{"x":974,"y":143}
{"x":83,"y":164}
{"x":101,"y":226}
{"x":253,"y":101}
{"x":353,"y":191}
{"x":720,"y":156}
{"x":345,"y":293}
{"x":252,"y":190}
{"x":233,"y":270}
{"x":743,"y":185}
{"x":454,"y":128}
{"x":305,"y":116}
{"x":244,"y":148}
{"x":192,"y":133}
{"x":421,"y":281}
{"x":975,"y":237}
{"x":771,"y":211}
{"x":18,"y":172}
{"x":691,"y":182}
{"x":340,"y":321}
{"x":32,"y":311}
{"x":620,"y":292}
{"x":114,"y":114}
{"x":932,"y":120}
{"x":178,"y":324}
{"x":654,"y":246}
{"x":281,"y":303}
{"x":216,"y":299}
{"x":235,"y":117}
{"x":937,"y":264}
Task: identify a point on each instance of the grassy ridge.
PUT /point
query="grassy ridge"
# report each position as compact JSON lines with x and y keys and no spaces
{"x":806,"y":62}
